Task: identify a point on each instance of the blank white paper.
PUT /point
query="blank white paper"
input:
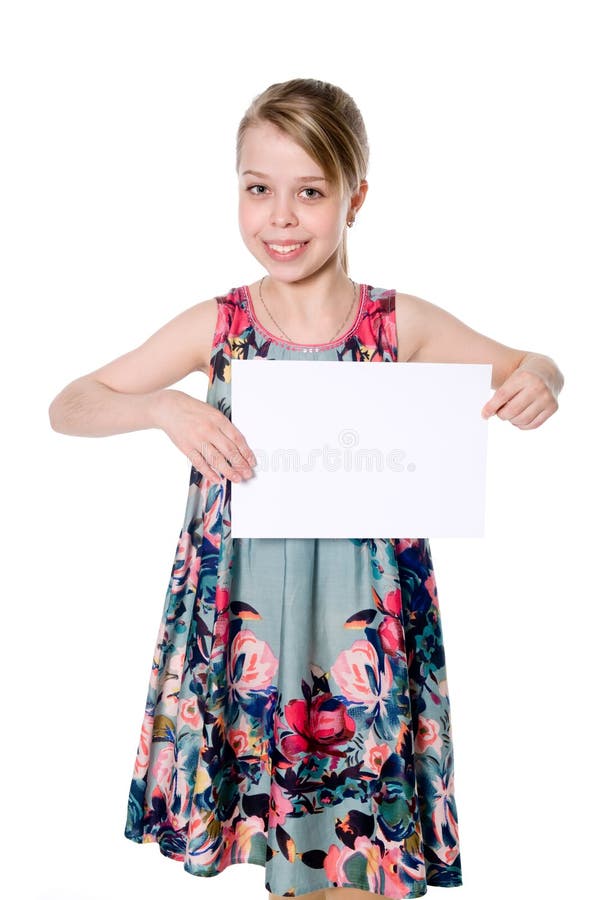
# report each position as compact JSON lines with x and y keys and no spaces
{"x":355,"y":451}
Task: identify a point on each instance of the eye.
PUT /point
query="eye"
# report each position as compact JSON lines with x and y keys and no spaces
{"x":252,"y":187}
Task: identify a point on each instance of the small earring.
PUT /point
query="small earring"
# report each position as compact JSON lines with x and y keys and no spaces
{"x":350,"y":223}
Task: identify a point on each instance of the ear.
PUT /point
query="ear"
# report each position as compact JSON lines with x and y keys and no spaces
{"x":358,"y":196}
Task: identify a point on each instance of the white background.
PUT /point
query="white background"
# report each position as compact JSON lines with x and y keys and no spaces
{"x":119,"y":210}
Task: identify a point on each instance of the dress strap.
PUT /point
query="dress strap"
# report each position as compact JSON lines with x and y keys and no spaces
{"x":378,"y":330}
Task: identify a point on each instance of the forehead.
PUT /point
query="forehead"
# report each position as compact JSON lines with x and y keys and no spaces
{"x":266,"y":148}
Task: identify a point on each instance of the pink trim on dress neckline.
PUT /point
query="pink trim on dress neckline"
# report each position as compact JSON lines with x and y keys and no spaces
{"x":336,"y":343}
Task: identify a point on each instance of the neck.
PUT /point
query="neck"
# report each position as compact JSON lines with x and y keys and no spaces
{"x":301,"y":303}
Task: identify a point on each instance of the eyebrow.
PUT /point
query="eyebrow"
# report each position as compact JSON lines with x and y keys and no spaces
{"x":301,"y":178}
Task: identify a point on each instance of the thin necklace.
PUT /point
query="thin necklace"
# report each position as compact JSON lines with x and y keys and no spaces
{"x":284,"y":332}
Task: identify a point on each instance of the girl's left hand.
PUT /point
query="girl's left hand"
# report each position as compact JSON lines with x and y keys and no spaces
{"x":524,"y":399}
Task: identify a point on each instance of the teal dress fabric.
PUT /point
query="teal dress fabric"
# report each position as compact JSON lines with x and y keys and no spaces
{"x":298,"y":715}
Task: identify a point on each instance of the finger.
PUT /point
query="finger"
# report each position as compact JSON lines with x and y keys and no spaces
{"x":533,"y":401}
{"x":538,"y":420}
{"x":521,"y":400}
{"x":218,"y":453}
{"x":521,"y":404}
{"x":199,"y":463}
{"x":503,"y":395}
{"x":235,"y":448}
{"x":525,"y":416}
{"x":526,"y":383}
{"x":238,"y":440}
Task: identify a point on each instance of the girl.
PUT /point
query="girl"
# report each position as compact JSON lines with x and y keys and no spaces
{"x":297,"y":714}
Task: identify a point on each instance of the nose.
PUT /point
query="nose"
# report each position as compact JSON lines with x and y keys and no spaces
{"x":282,"y":213}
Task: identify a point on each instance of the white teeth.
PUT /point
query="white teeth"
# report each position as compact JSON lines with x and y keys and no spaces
{"x":283,"y":249}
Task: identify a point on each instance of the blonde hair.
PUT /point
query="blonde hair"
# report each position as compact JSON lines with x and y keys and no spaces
{"x":325,"y":121}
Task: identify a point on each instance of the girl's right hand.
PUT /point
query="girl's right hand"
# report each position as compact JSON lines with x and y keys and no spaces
{"x":205,"y":436}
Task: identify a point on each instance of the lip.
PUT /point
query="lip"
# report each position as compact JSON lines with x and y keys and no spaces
{"x":283,"y":257}
{"x":285,"y":243}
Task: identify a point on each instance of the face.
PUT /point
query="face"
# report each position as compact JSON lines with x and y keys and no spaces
{"x":285,"y":199}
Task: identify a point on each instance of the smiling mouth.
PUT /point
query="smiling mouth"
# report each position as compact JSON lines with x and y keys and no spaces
{"x":275,"y":247}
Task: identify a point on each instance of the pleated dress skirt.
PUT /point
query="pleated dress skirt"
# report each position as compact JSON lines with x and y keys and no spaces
{"x":298,"y":714}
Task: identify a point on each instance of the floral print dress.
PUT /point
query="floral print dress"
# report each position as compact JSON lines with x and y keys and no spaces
{"x":297,"y":714}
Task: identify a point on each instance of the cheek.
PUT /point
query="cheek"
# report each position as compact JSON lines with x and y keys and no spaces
{"x":330,"y":223}
{"x":248,"y":218}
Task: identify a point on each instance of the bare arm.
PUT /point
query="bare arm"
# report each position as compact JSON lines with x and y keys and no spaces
{"x":131,"y":393}
{"x":527,"y":384}
{"x":128,"y":393}
{"x":438,"y":336}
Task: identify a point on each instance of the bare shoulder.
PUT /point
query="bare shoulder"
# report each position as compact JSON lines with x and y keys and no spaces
{"x":410,"y":312}
{"x":182,"y":345}
{"x":428,"y":333}
{"x":207,"y":311}
{"x":193,"y":333}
